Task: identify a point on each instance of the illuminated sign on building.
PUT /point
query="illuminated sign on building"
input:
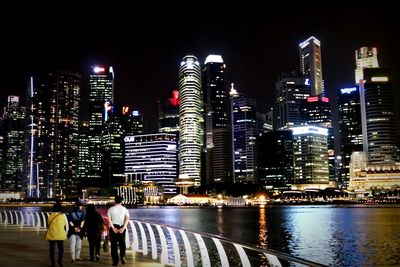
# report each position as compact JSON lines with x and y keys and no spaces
{"x":348,"y":90}
{"x":174,"y":100}
{"x":98,"y":69}
{"x":125,"y":110}
{"x":107,"y":108}
{"x":312,"y":99}
{"x":379,"y":79}
{"x":310,"y":129}
{"x":325,"y":99}
{"x":307,"y":81}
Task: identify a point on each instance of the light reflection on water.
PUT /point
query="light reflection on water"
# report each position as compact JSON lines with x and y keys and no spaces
{"x":336,"y":236}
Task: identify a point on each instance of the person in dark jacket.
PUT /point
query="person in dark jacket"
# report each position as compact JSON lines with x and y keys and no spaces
{"x":93,"y":226}
{"x":76,"y":220}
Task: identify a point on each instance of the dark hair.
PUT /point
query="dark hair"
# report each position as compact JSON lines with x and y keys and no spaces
{"x":57,"y":207}
{"x":90,"y":209}
{"x":118,"y":199}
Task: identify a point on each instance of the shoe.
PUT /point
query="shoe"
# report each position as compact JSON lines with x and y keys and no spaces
{"x":79,"y":259}
{"x":123,"y":260}
{"x":115,"y":264}
{"x":97,"y":257}
{"x":73,"y":261}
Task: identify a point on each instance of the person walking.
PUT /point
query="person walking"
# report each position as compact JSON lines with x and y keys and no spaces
{"x":93,"y":227}
{"x":76,"y":219}
{"x":57,"y":227}
{"x":118,"y":217}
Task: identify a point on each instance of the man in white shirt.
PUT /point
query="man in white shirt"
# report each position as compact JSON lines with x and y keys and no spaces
{"x":118,"y":217}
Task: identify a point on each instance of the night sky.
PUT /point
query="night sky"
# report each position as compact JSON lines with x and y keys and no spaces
{"x":146,"y":46}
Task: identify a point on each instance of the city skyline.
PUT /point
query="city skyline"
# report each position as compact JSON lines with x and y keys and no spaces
{"x":256,"y":47}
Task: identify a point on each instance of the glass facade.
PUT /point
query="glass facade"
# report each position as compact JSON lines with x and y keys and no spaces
{"x":190,"y":133}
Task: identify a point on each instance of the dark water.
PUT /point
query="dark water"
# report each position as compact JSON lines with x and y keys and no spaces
{"x":332,"y":235}
{"x":336,"y":236}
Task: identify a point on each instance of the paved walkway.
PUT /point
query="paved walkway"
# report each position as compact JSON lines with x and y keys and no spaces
{"x":26,"y":247}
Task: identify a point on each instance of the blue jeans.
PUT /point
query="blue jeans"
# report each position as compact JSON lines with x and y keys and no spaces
{"x":60,"y":247}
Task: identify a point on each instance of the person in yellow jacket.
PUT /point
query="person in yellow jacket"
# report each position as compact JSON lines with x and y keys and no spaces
{"x":57,"y":228}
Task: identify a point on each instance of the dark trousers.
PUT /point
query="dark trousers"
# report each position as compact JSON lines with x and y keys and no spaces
{"x":94,"y":245}
{"x":60,"y":247}
{"x":117,"y":240}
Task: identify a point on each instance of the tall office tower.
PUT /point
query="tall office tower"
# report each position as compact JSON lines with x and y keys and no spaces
{"x":83,"y":151}
{"x":366,"y":57}
{"x":53,"y":130}
{"x":101,"y":83}
{"x":112,"y":144}
{"x":12,"y":129}
{"x":276,"y":158}
{"x":310,"y":156}
{"x":244,"y":132}
{"x":350,"y":129}
{"x":311,"y":64}
{"x":378,"y":116}
{"x":291,"y":94}
{"x":152,"y":158}
{"x":218,"y":132}
{"x":134,"y":124}
{"x":168,"y":114}
{"x":317,"y":110}
{"x":190,"y":138}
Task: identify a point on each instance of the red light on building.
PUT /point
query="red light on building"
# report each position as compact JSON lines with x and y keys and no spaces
{"x":312,"y":99}
{"x":174,"y":100}
{"x":325,"y":99}
{"x":125,"y":110}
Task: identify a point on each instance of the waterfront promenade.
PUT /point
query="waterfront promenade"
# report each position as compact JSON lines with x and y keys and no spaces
{"x":26,"y":247}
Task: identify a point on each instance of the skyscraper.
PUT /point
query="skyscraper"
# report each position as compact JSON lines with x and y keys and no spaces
{"x":310,"y":156}
{"x":350,"y":128}
{"x":217,"y":132}
{"x":291,"y":94}
{"x":112,"y":144}
{"x":244,"y":132}
{"x":190,"y":138}
{"x":12,"y":126}
{"x":311,"y":64}
{"x":168,"y":114}
{"x":276,"y":158}
{"x":152,"y":158}
{"x":101,"y":82}
{"x":53,"y":130}
{"x":366,"y":57}
{"x":378,"y":116}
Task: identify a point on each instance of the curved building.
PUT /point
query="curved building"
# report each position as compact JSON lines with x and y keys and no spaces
{"x":378,"y":116}
{"x":190,"y":138}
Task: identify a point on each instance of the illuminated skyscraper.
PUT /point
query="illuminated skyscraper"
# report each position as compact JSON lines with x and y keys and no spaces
{"x":291,"y":94}
{"x":101,"y":82}
{"x":378,"y":116}
{"x":12,"y":126}
{"x":53,"y":130}
{"x":366,"y":57}
{"x":83,"y":150}
{"x":311,"y":64}
{"x":190,"y":138}
{"x":168,"y":114}
{"x":244,"y":131}
{"x":350,"y":128}
{"x":217,"y":124}
{"x":310,"y":156}
{"x":152,"y":158}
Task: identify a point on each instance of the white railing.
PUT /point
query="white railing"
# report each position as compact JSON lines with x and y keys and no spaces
{"x":173,"y":246}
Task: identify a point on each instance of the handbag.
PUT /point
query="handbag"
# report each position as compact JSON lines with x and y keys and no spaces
{"x":48,"y":226}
